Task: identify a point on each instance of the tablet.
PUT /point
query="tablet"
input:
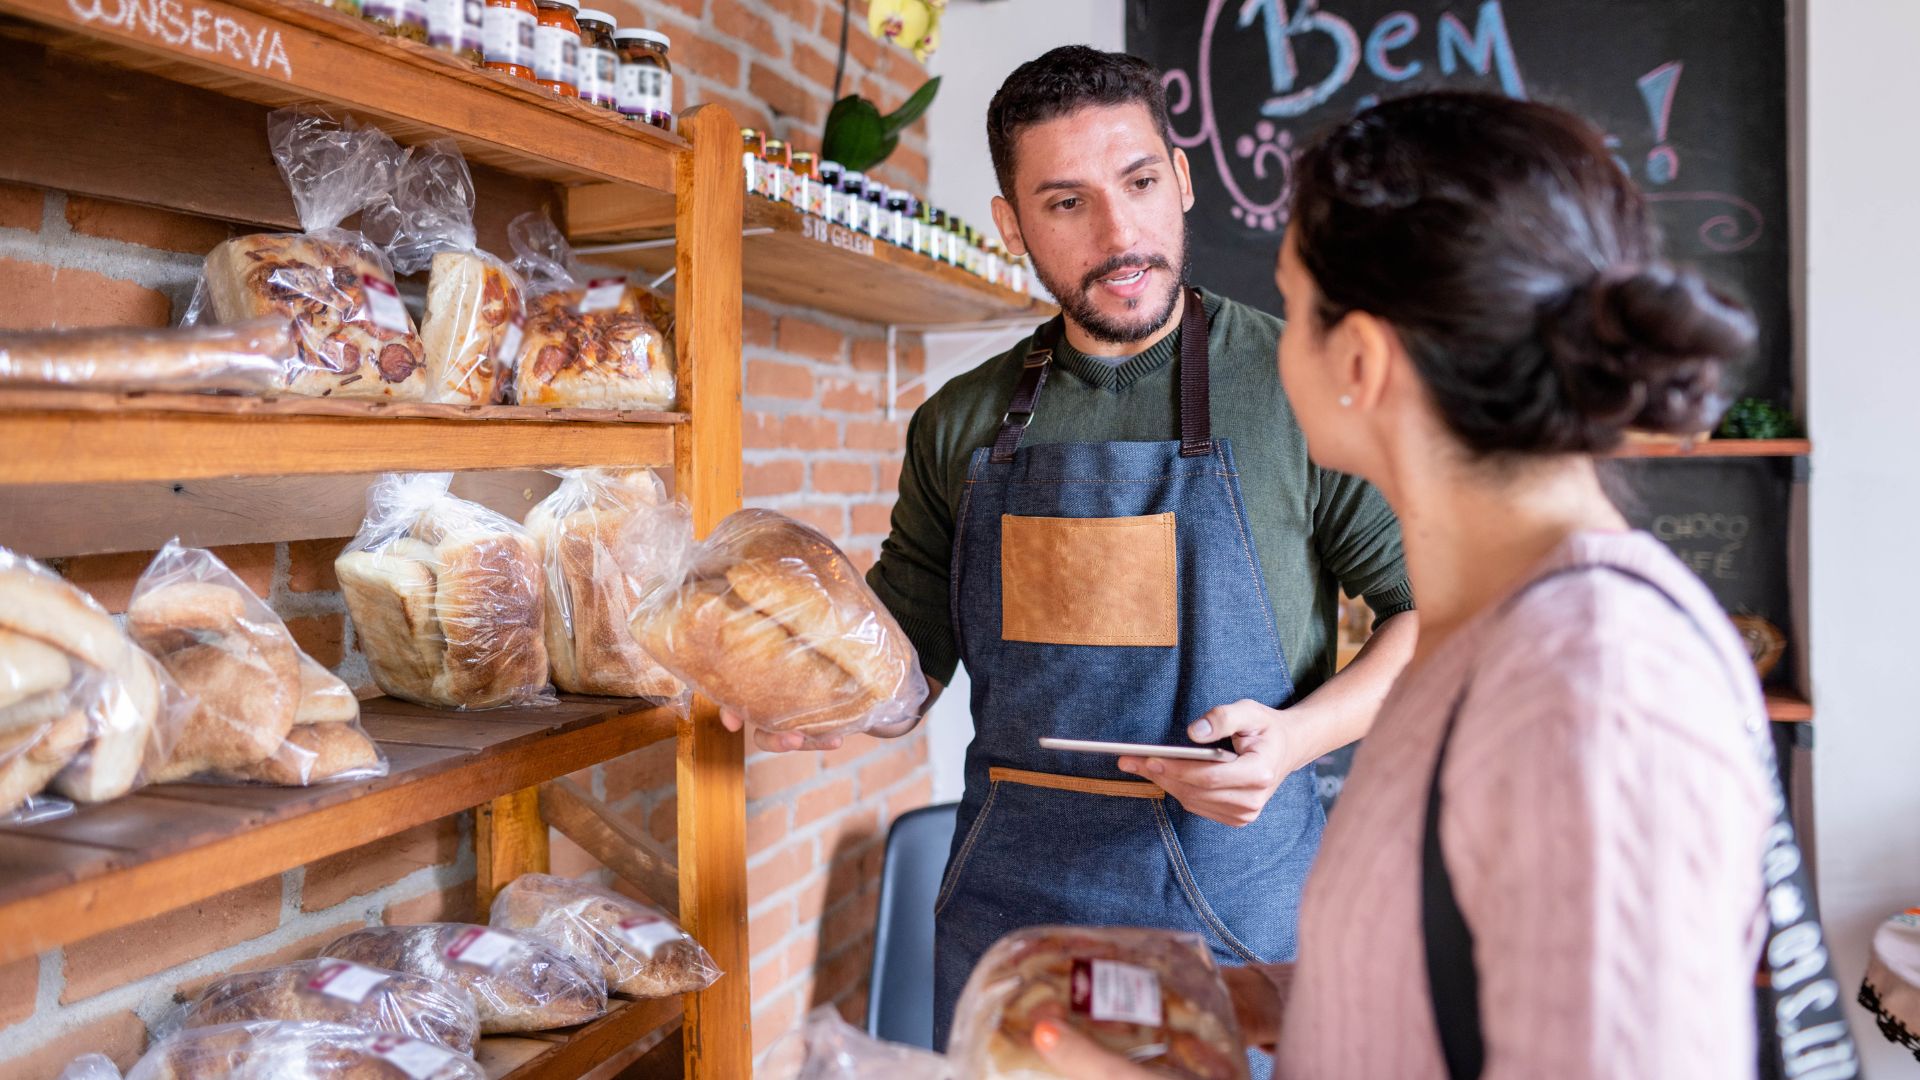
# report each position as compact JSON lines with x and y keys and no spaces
{"x":1183,"y":753}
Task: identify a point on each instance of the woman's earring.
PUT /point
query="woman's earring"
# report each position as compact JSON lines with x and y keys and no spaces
{"x":1346,"y":401}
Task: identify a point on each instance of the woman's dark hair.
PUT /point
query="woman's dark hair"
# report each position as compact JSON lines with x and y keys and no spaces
{"x":1520,"y":269}
{"x":1066,"y":80}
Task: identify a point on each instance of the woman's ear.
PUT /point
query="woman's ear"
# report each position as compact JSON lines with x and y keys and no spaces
{"x":1366,"y":348}
{"x":1185,"y":176}
{"x":1009,"y":224}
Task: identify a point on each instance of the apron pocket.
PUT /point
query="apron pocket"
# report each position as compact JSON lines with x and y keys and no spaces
{"x":959,"y":863}
{"x":1089,"y":581}
{"x":1177,"y":856}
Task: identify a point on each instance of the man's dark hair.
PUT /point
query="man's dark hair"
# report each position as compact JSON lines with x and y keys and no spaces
{"x":1066,"y":80}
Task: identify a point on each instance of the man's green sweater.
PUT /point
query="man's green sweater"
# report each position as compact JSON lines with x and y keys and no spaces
{"x":1315,"y":530}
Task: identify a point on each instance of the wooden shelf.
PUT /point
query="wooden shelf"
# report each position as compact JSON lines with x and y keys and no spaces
{"x":166,"y":846}
{"x":567,"y":1054}
{"x":72,"y":437}
{"x":806,"y":262}
{"x":1786,"y":707}
{"x":282,"y":52}
{"x":1717,"y":448}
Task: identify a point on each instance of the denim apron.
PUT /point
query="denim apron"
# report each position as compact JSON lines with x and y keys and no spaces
{"x":1111,"y":591}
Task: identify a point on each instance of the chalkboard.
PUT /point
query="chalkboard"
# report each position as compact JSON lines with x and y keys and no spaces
{"x":1692,"y":94}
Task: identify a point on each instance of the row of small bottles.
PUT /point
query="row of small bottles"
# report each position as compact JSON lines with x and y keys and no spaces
{"x":864,"y":205}
{"x":573,"y":52}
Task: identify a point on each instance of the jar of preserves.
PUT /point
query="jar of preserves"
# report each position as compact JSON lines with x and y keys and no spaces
{"x":749,"y":158}
{"x":459,"y":27}
{"x":874,"y":194}
{"x":556,"y":46}
{"x":507,"y":36}
{"x":777,"y":159}
{"x":853,"y":208}
{"x":923,"y":229}
{"x":806,"y":189}
{"x":937,"y":234}
{"x":828,"y":173}
{"x":405,"y":18}
{"x":646,"y":77}
{"x":894,"y":221}
{"x":599,"y":59}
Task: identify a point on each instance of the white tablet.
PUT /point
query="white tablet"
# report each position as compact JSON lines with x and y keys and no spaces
{"x":1183,"y":753}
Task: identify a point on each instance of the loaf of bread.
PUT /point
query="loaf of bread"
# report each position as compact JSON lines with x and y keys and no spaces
{"x":299,"y":1050}
{"x":776,"y":625}
{"x":446,"y":597}
{"x":515,"y":982}
{"x":248,"y":357}
{"x":1152,"y":996}
{"x":595,"y":347}
{"x":593,"y":592}
{"x":320,"y":282}
{"x":342,"y":992}
{"x":74,"y":692}
{"x":473,"y":301}
{"x":640,"y":951}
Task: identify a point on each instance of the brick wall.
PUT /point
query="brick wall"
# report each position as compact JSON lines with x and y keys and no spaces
{"x":818,"y":446}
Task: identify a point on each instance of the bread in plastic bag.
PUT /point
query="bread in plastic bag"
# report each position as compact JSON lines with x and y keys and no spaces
{"x":593,"y":593}
{"x":826,"y":1047}
{"x":1153,"y":996}
{"x":299,"y":1050}
{"x":354,"y":337}
{"x":83,"y":712}
{"x":447,"y":597}
{"x":474,"y":321}
{"x":773,"y":622}
{"x":516,"y":983}
{"x":640,"y":950}
{"x":90,"y":1067}
{"x":263,"y":710}
{"x":591,"y":342}
{"x":342,"y":992}
{"x":250,"y":357}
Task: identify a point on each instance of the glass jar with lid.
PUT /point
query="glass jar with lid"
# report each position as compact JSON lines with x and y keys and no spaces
{"x":556,"y":47}
{"x":507,"y":36}
{"x":777,"y":158}
{"x":874,"y":194}
{"x":853,"y":206}
{"x":646,"y":77}
{"x":404,"y":18}
{"x":750,"y":158}
{"x":457,"y":26}
{"x":829,"y":173}
{"x":599,"y":59}
{"x":937,"y":234}
{"x":896,"y":217}
{"x":805,"y":187}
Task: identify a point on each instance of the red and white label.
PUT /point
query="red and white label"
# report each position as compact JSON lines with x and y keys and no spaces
{"x":648,"y":932}
{"x":346,"y":981}
{"x":482,"y":948}
{"x":411,"y":1056}
{"x":383,"y":303}
{"x":510,"y":341}
{"x":1111,"y":990}
{"x":603,"y":294}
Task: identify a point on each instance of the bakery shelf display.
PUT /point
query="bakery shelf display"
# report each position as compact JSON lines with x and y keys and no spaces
{"x":164,"y":103}
{"x":793,"y":258}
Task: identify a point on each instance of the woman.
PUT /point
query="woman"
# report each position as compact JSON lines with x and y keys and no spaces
{"x":1477,"y":310}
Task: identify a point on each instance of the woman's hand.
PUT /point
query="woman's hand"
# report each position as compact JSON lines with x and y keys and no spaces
{"x":1077,"y":1057}
{"x":1232,"y":792}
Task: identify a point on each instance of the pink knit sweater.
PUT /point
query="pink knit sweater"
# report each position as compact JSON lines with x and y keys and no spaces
{"x":1603,"y":826}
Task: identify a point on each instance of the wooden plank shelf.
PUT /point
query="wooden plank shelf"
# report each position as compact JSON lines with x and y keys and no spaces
{"x":1717,"y":448}
{"x":170,"y":845}
{"x":573,"y":1052}
{"x":75,"y":437}
{"x":809,"y":263}
{"x":1786,"y":707}
{"x":282,"y":52}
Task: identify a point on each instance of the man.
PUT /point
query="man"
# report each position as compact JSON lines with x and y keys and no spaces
{"x":1140,"y":553}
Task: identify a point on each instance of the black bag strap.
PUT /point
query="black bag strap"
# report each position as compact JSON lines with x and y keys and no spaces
{"x":1196,"y":420}
{"x":1803,"y":1032}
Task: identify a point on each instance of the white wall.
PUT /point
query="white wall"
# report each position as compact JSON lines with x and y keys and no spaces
{"x":981,"y":43}
{"x":1863,"y":381}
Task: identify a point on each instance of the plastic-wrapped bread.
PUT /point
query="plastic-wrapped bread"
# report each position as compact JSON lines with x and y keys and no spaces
{"x":81,"y":708}
{"x":1152,"y":996}
{"x":591,"y":342}
{"x":473,"y":324}
{"x":641,"y":952}
{"x":515,"y":982}
{"x":353,"y":335}
{"x":249,"y":681}
{"x":773,"y":622}
{"x":592,"y":593}
{"x":342,"y":992}
{"x":446,"y":596}
{"x":826,"y":1047}
{"x":248,"y":357}
{"x":299,"y":1050}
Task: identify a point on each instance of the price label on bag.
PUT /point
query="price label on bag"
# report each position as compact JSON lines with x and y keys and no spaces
{"x":603,"y":294}
{"x":510,"y":340}
{"x":482,"y":948}
{"x":346,"y":981}
{"x":417,"y":1059}
{"x":648,"y":932}
{"x":384,"y":306}
{"x":1111,"y":990}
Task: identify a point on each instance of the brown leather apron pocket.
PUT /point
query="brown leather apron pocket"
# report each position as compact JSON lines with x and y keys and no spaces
{"x":1089,"y":581}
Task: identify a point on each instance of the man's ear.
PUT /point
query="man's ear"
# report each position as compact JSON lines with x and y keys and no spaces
{"x":1009,"y":224}
{"x":1185,"y":176}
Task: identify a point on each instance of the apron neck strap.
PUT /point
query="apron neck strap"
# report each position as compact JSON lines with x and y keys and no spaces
{"x":1196,"y":419}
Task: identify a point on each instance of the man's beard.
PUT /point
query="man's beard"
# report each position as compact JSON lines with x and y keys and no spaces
{"x":1078,"y":304}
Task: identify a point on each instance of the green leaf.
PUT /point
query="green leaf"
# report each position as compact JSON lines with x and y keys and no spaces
{"x":856,"y":136}
{"x":909,"y":111}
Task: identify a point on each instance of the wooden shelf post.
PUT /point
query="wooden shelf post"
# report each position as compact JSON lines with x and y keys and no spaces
{"x":509,"y":839}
